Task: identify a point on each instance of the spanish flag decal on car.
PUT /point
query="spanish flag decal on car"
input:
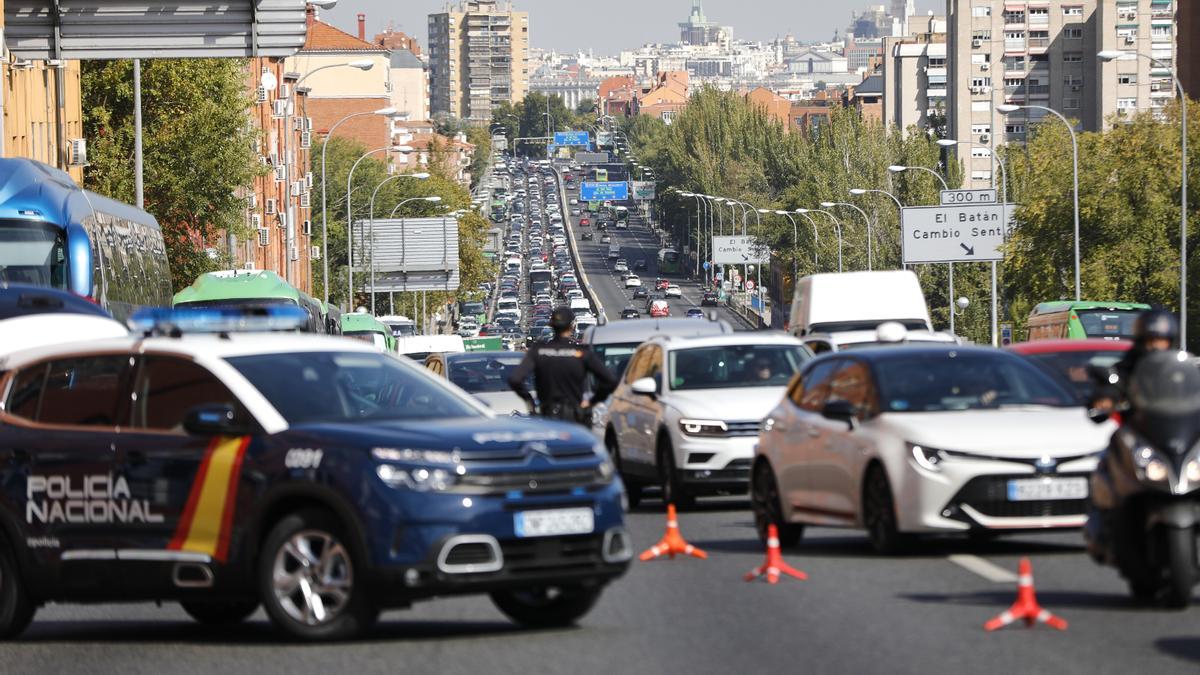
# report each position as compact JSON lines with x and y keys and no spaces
{"x":208,"y":516}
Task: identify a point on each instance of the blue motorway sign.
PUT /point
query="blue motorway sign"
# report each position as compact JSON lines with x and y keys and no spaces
{"x":571,"y":138}
{"x":591,"y":191}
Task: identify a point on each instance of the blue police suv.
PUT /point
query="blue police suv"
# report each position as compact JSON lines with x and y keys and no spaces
{"x":310,"y":475}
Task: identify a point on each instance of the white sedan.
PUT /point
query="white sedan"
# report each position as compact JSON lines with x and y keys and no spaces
{"x":632,"y":281}
{"x":621,"y":266}
{"x":673,"y":291}
{"x":904,"y":440}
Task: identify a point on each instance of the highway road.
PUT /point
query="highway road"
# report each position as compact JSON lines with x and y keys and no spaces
{"x":857,"y":613}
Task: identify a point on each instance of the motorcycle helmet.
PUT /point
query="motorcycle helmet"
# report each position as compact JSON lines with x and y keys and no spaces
{"x":561,"y":319}
{"x":1156,"y":323}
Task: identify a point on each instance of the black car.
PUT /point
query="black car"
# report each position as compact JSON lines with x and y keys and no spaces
{"x":630,"y":313}
{"x":639,"y":265}
{"x":640,"y":293}
{"x":588,"y":236}
{"x":710,"y":299}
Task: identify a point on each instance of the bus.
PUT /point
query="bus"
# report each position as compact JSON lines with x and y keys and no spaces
{"x":1071,"y":320}
{"x":621,"y":214}
{"x":601,"y":175}
{"x":239,"y":288}
{"x":55,"y":234}
{"x":669,"y":261}
{"x":363,"y":326}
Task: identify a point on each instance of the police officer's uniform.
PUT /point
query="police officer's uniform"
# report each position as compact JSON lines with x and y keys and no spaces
{"x":560,"y":368}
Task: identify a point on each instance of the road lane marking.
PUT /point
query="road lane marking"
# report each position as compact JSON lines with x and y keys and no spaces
{"x":988,"y":570}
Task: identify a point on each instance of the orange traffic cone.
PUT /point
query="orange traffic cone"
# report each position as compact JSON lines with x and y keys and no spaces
{"x":1026,"y":607}
{"x":774,"y":565}
{"x":672,"y":542}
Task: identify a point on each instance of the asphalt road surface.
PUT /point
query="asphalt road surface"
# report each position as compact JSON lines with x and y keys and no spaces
{"x":857,"y":613}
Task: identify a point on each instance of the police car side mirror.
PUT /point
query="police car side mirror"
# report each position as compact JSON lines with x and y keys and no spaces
{"x":212,"y":420}
{"x":646,"y":386}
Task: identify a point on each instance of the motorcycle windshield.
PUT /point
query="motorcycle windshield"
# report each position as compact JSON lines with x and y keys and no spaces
{"x":1164,"y":395}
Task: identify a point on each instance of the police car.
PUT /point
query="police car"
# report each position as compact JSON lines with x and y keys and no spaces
{"x":311,"y":475}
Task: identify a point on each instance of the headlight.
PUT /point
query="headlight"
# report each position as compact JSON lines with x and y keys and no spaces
{"x":415,"y":456}
{"x":703,"y":427}
{"x":1150,"y":465}
{"x":926,"y":457}
{"x":419,"y":479}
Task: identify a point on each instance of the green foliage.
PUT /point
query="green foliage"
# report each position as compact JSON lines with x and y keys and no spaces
{"x":527,"y":119}
{"x":198,"y":149}
{"x":369,"y":179}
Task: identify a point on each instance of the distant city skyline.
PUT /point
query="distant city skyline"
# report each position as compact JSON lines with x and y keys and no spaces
{"x":626,"y":24}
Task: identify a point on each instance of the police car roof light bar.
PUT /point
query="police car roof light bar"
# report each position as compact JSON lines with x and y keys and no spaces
{"x":176,"y":322}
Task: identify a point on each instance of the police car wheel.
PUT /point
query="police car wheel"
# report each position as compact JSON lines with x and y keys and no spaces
{"x":16,"y":608}
{"x":547,"y":606}
{"x":307,"y":579}
{"x":220,"y":613}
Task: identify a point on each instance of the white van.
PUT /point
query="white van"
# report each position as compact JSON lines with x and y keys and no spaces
{"x":857,"y":301}
{"x":580,"y":304}
{"x":508,"y":306}
{"x":418,"y":347}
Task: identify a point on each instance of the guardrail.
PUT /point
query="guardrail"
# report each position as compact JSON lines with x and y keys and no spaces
{"x":575,"y":257}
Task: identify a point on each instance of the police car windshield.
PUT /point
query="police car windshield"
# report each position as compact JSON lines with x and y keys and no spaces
{"x":347,"y":387}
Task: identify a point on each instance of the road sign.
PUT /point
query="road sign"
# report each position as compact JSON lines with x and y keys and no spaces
{"x":749,"y":284}
{"x":591,"y":157}
{"x":604,"y":138}
{"x":937,"y":234}
{"x":643,"y":190}
{"x":571,"y":138}
{"x":961,"y":197}
{"x":738,"y":251}
{"x":1006,"y":334}
{"x":606,"y":191}
{"x":706,"y":265}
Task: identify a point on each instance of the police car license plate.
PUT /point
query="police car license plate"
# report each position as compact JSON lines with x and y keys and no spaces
{"x":554,"y":522}
{"x":1047,"y":489}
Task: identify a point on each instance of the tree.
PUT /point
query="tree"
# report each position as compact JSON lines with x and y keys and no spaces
{"x":198,"y":149}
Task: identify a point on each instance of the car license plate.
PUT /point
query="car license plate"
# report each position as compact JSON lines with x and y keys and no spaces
{"x":554,"y":522}
{"x":1047,"y":489}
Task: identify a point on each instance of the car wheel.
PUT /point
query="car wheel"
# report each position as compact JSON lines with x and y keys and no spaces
{"x":879,"y":513}
{"x":307,"y":579}
{"x":768,"y":509}
{"x":547,"y":606}
{"x":633,"y":489}
{"x":220,"y":613}
{"x":16,"y":607}
{"x":671,"y":479}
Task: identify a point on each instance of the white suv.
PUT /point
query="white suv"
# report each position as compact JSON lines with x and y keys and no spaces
{"x":687,"y":412}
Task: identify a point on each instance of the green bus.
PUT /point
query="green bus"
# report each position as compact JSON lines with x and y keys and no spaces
{"x":363,"y":326}
{"x":601,"y":176}
{"x":1069,"y":320}
{"x":258,"y":288}
{"x":669,"y":262}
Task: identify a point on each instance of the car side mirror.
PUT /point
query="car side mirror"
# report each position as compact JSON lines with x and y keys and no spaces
{"x":213,"y":420}
{"x":840,"y":410}
{"x":646,"y":386}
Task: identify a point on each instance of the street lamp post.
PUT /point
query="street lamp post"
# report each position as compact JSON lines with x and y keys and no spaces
{"x":816,"y":238}
{"x":795,"y":243}
{"x":290,"y":224}
{"x":866,"y":219}
{"x":1009,"y":108}
{"x":899,"y":207}
{"x":388,"y":112}
{"x":1107,"y":56}
{"x":837,"y":223}
{"x":950,"y":297}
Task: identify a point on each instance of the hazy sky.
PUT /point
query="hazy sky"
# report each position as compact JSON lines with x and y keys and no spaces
{"x":607,"y":26}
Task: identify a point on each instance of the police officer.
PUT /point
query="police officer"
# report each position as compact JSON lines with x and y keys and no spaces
{"x":560,"y":368}
{"x":1154,"y":330}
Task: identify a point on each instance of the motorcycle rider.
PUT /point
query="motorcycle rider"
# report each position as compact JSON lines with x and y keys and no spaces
{"x":1154,"y":330}
{"x":560,"y":368}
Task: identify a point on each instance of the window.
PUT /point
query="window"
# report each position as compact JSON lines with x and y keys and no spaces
{"x":1158,"y":33}
{"x":27,"y":392}
{"x":1072,"y":11}
{"x":981,"y":35}
{"x":1071,"y":103}
{"x":981,"y":175}
{"x":1014,"y":81}
{"x":1072,"y":57}
{"x":853,"y":384}
{"x":1127,"y":32}
{"x":982,"y":153}
{"x":169,"y":388}
{"x":1125,"y":104}
{"x":816,"y":386}
{"x":84,"y":391}
{"x":980,"y":11}
{"x":1073,"y":79}
{"x":1014,"y":17}
{"x":1014,"y":63}
{"x":1014,"y":128}
{"x":981,"y":129}
{"x":1075,"y":33}
{"x":981,"y":81}
{"x":729,"y":366}
{"x":1127,"y":78}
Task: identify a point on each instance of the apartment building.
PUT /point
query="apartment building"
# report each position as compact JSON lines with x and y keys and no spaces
{"x":1043,"y":53}
{"x":478,"y":58}
{"x":915,"y":75}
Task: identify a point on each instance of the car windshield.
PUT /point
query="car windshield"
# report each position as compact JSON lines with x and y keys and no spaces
{"x":616,"y":356}
{"x":1100,"y":323}
{"x":482,"y":374}
{"x":953,"y":380}
{"x":1072,"y":367}
{"x":347,"y":387}
{"x":472,"y":308}
{"x":728,"y":366}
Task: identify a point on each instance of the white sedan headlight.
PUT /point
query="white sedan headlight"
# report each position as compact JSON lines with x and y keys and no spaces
{"x":926,"y":457}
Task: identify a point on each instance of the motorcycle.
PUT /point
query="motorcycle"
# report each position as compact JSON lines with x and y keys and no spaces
{"x":1145,"y":492}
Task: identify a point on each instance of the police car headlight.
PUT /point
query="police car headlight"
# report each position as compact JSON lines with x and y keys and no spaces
{"x":420,"y":479}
